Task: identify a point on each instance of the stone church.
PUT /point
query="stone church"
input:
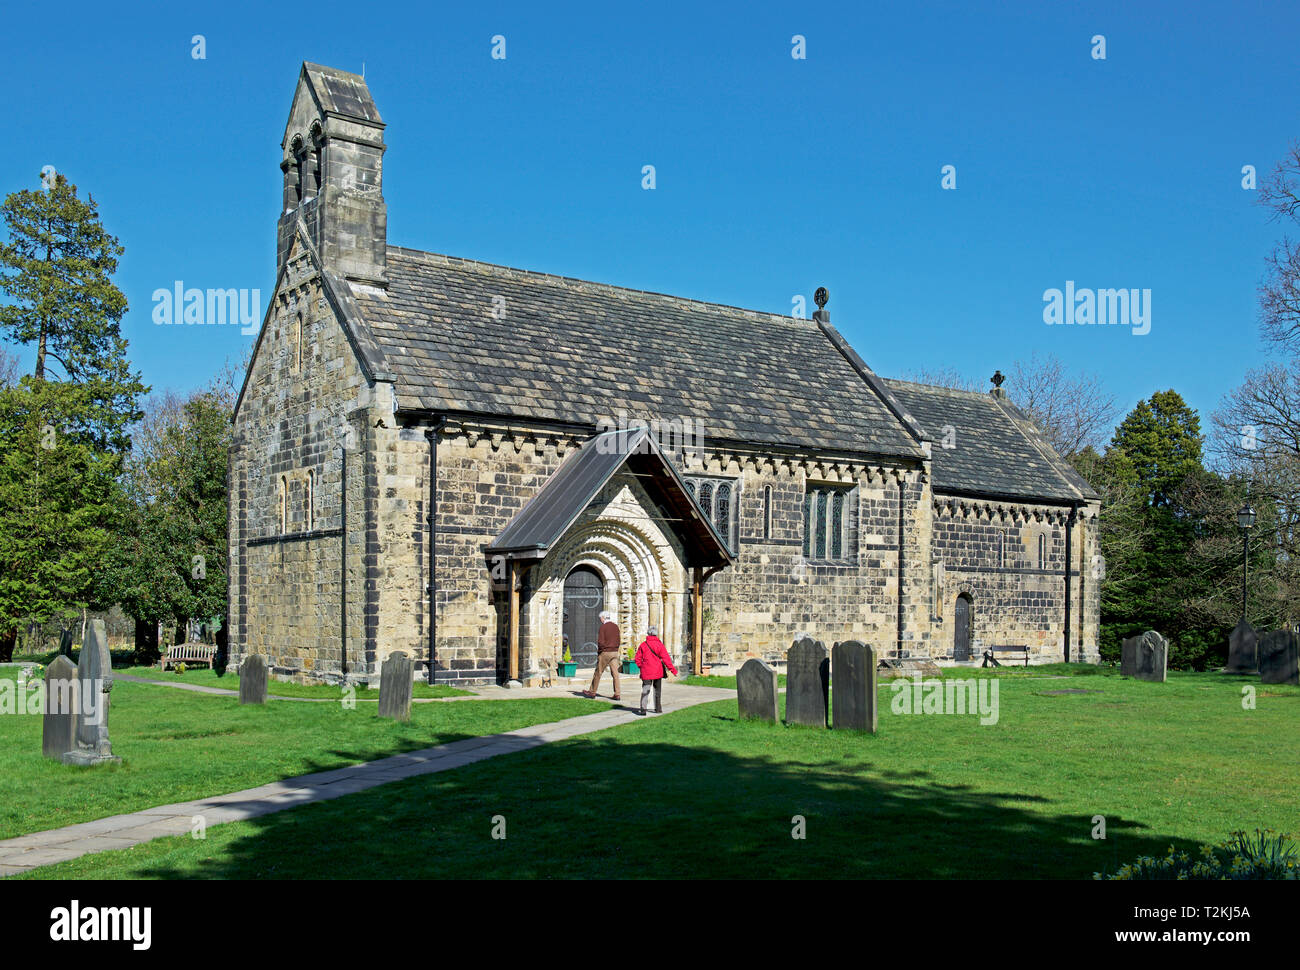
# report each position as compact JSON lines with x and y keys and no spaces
{"x":467,"y":462}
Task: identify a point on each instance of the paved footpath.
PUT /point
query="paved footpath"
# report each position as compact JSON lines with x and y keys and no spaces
{"x":26,"y":852}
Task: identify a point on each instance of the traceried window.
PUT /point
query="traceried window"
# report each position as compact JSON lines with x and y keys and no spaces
{"x":718,"y":498}
{"x":825,"y":523}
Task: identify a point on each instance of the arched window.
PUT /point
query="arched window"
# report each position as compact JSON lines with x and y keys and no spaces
{"x":295,"y":169}
{"x":837,"y":525}
{"x":1042,"y":551}
{"x":767,"y":511}
{"x":1002,"y":549}
{"x":284,"y":504}
{"x":310,"y":500}
{"x":297,"y":343}
{"x":313,"y":166}
{"x":722,"y":512}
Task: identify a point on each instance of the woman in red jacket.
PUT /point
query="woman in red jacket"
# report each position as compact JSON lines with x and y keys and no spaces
{"x":651,"y":658}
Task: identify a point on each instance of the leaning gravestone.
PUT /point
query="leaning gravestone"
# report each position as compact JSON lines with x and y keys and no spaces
{"x":1278,"y":663}
{"x":1243,"y":649}
{"x":252,"y":680}
{"x":807,"y":679}
{"x":1145,"y":657}
{"x":59,"y":728}
{"x":756,"y":690}
{"x":853,"y":672}
{"x":396,"y":680}
{"x":94,"y":681}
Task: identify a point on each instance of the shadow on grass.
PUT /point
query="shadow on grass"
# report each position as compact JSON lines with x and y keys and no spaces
{"x":591,"y":808}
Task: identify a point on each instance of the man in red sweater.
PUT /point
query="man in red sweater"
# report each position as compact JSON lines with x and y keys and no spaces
{"x":608,"y":641}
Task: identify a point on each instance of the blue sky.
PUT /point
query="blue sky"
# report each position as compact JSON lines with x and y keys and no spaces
{"x":773,"y":175}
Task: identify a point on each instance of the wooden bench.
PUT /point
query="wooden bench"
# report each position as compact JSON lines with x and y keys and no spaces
{"x":992,"y":661}
{"x":189,"y":653}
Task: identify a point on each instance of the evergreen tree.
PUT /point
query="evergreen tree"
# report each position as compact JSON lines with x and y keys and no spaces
{"x":65,"y":425}
{"x":1158,"y":449}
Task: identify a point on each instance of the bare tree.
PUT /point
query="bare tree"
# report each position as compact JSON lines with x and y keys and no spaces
{"x":1073,"y":410}
{"x":1279,"y":293}
{"x":948,"y":377}
{"x":8,"y":369}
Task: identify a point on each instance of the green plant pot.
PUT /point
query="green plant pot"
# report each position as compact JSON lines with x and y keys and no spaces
{"x":628,"y":667}
{"x":567,"y":670}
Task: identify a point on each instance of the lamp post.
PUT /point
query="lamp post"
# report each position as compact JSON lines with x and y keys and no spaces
{"x":1245,"y":519}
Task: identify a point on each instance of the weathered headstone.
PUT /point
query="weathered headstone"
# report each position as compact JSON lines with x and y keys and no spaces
{"x":853,"y":694}
{"x":756,"y":690}
{"x":1243,"y":649}
{"x":1278,"y":662}
{"x":1145,"y":657}
{"x":65,"y":644}
{"x":94,"y":681}
{"x":252,"y":680}
{"x":59,"y":728}
{"x":807,"y":682}
{"x":396,"y":680}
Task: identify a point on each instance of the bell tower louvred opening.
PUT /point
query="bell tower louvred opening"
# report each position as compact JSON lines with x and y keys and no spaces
{"x":332,"y":165}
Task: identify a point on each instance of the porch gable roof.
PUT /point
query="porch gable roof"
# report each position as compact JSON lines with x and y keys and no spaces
{"x":548,"y":515}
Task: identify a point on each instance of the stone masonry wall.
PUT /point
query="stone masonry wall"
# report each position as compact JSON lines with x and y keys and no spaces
{"x":989,"y":551}
{"x":298,"y":409}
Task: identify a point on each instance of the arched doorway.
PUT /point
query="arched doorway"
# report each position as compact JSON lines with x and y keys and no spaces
{"x":965,"y":615}
{"x":584,"y":598}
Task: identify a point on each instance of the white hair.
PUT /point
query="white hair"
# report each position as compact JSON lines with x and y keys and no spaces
{"x":605,"y":616}
{"x":654,"y":631}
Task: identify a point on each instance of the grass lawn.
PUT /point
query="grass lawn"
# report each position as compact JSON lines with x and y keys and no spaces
{"x":177,"y":745}
{"x":230,"y":681}
{"x":698,"y":794}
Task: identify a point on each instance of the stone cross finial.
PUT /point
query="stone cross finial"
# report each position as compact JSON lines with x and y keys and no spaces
{"x":821,"y":298}
{"x":997,"y":378}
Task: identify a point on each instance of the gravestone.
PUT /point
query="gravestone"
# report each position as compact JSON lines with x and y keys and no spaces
{"x":756,"y":690}
{"x":1278,"y":658}
{"x":59,"y":728}
{"x":1243,"y":649}
{"x":252,"y":680}
{"x":853,"y":673}
{"x":1145,"y":657}
{"x":807,"y":680}
{"x":396,"y":680}
{"x":94,"y":680}
{"x":65,"y":644}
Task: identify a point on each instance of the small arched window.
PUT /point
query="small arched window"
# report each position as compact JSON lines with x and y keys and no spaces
{"x":284,"y":504}
{"x":767,"y":511}
{"x":310,"y":500}
{"x":296,"y":155}
{"x":1042,"y":551}
{"x":297,"y":343}
{"x":1002,"y":549}
{"x":722,"y":512}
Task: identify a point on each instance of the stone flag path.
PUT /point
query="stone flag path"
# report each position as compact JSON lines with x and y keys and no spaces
{"x":26,"y":852}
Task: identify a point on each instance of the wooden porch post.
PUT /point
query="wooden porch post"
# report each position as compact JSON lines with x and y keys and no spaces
{"x":514,"y":620}
{"x":697,"y":621}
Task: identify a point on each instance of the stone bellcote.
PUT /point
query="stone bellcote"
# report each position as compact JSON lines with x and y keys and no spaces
{"x":332,"y":160}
